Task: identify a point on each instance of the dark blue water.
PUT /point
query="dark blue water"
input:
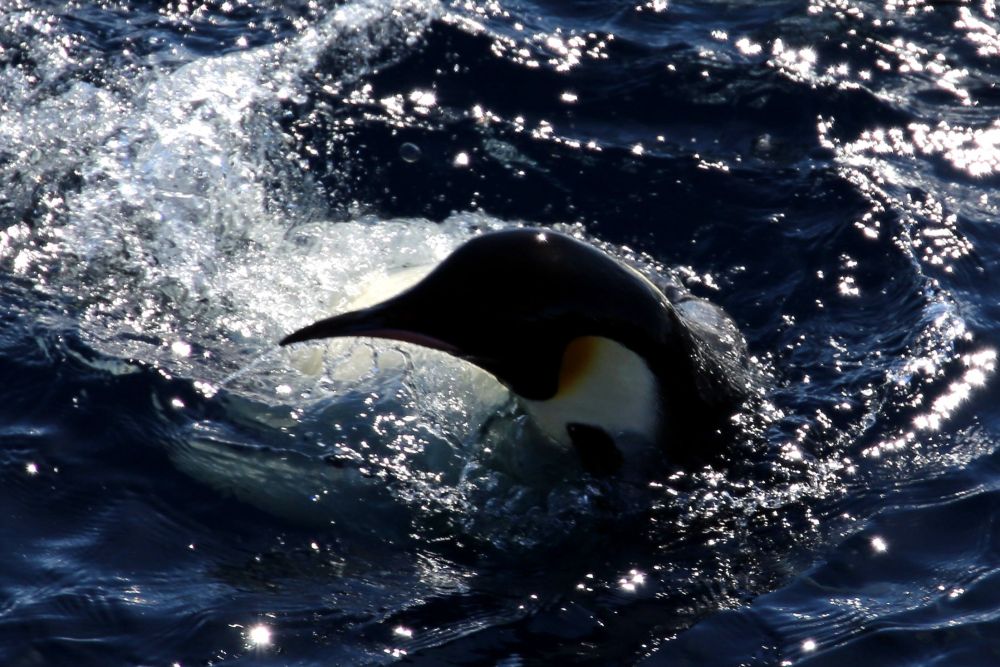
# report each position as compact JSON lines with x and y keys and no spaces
{"x":182,"y":183}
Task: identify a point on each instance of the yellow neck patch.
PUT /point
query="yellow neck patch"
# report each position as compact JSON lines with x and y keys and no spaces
{"x":577,"y":360}
{"x":604,"y":384}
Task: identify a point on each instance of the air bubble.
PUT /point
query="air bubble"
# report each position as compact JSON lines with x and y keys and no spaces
{"x":409,"y":152}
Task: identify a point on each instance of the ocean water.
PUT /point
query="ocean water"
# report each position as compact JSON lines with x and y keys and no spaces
{"x":182,"y":183}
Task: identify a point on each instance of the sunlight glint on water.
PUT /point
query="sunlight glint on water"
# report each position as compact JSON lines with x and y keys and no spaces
{"x":172,"y":204}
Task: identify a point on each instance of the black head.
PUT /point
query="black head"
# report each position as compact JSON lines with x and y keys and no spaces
{"x":510,"y":302}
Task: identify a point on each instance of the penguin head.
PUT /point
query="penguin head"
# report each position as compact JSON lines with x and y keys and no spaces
{"x":517,"y":303}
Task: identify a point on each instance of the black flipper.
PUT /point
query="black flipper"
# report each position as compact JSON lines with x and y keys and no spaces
{"x":598,"y":454}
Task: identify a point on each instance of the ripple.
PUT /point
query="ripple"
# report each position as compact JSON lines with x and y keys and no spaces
{"x":181,"y":191}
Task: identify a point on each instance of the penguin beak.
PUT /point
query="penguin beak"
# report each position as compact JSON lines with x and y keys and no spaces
{"x":443,"y":312}
{"x":385,"y":320}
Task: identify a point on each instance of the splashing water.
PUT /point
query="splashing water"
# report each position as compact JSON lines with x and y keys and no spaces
{"x":172,"y":206}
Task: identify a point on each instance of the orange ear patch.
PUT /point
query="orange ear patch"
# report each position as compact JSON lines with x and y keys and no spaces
{"x":577,"y":359}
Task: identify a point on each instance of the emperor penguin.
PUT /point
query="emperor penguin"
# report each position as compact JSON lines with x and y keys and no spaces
{"x":594,"y":351}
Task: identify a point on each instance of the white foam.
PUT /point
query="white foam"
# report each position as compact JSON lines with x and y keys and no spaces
{"x":195,"y":239}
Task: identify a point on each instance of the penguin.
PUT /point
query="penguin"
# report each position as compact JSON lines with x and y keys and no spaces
{"x":593,"y":350}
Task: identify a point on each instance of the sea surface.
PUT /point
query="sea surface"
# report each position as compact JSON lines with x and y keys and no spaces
{"x":183,"y":182}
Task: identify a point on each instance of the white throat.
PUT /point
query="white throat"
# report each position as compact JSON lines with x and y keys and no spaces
{"x":604,"y":384}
